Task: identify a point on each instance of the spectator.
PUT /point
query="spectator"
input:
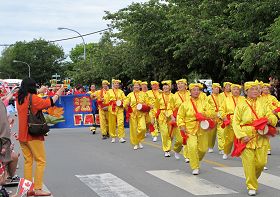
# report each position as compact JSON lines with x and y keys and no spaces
{"x":33,"y":147}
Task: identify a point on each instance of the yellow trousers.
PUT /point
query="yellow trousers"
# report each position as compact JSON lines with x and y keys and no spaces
{"x":218,"y":132}
{"x":197,"y":147}
{"x":152,"y":117}
{"x":137,"y":128}
{"x":178,"y":143}
{"x":165,"y":137}
{"x":104,"y":117}
{"x":229,"y":138}
{"x":269,"y":147}
{"x":185,"y":151}
{"x":253,"y":161}
{"x":116,"y":120}
{"x":34,"y":150}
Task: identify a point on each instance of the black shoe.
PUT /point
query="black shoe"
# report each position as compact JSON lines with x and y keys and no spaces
{"x":104,"y":137}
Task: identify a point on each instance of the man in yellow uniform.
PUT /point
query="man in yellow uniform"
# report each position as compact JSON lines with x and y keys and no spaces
{"x":178,"y":98}
{"x":217,"y":131}
{"x":137,"y":123}
{"x":153,"y":95}
{"x":164,"y":116}
{"x":103,"y":109}
{"x":115,"y":98}
{"x":254,"y":156}
{"x":226,"y":112}
{"x":188,"y":122}
{"x":271,"y":101}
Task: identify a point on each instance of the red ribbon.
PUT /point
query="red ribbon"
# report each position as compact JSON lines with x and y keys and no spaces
{"x":151,"y":128}
{"x":157,"y":114}
{"x":175,"y":113}
{"x":277,"y":109}
{"x":173,"y":125}
{"x":114,"y":105}
{"x":239,"y":147}
{"x":184,"y":136}
{"x":128,"y":112}
{"x":226,"y":122}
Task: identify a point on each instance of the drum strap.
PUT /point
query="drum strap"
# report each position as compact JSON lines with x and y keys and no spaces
{"x":254,"y":112}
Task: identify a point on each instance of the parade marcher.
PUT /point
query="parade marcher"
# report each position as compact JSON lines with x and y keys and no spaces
{"x":33,"y":147}
{"x":153,"y":95}
{"x":136,"y":117}
{"x":191,"y":119}
{"x":115,"y":98}
{"x":103,"y":109}
{"x":217,"y":131}
{"x":271,"y":101}
{"x":178,"y":98}
{"x":226,"y":113}
{"x":247,"y":114}
{"x":92,"y":91}
{"x":164,"y":117}
{"x":144,"y":88}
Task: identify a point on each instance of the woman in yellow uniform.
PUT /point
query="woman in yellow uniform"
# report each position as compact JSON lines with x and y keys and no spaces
{"x":214,"y":98}
{"x":254,"y":156}
{"x":103,"y":109}
{"x":187,"y":121}
{"x":137,"y":123}
{"x":226,"y":112}
{"x":114,"y":97}
{"x":153,"y":95}
{"x":144,"y":89}
{"x":271,"y":100}
{"x":164,"y":116}
{"x":179,"y":97}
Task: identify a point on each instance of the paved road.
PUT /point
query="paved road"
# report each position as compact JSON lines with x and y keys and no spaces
{"x":81,"y":164}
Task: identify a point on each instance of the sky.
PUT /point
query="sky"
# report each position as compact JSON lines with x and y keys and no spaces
{"x":26,"y":20}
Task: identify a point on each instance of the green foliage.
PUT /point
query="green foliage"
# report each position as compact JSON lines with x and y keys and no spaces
{"x":39,"y":54}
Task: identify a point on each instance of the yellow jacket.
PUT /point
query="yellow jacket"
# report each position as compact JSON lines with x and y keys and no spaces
{"x":186,"y":114}
{"x":271,"y":101}
{"x":214,"y":100}
{"x":99,"y":95}
{"x":134,"y":98}
{"x":228,"y":106}
{"x":243,"y":116}
{"x":164,"y":106}
{"x":223,"y":96}
{"x":113,"y":96}
{"x":177,"y":99}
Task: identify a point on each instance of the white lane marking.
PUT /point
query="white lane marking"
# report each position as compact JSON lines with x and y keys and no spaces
{"x":190,"y":183}
{"x":108,"y":185}
{"x":265,"y":178}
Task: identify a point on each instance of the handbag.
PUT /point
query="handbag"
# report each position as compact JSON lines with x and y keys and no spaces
{"x":37,"y":125}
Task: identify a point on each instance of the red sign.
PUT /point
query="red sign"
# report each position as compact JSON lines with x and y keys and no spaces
{"x":82,"y":104}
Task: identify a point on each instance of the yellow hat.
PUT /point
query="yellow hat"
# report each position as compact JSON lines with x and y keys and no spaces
{"x":116,"y":81}
{"x":226,"y":83}
{"x":182,"y":80}
{"x":250,"y":84}
{"x":166,"y":82}
{"x":193,"y":85}
{"x":105,"y":82}
{"x":235,"y":85}
{"x":266,"y":85}
{"x":144,"y":83}
{"x":136,"y":82}
{"x":214,"y":85}
{"x":154,"y":82}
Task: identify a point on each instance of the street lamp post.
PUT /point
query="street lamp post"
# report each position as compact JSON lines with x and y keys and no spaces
{"x":62,"y":28}
{"x":17,"y":61}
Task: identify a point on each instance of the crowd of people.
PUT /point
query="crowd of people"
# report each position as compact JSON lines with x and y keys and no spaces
{"x":240,"y":118}
{"x":193,"y":120}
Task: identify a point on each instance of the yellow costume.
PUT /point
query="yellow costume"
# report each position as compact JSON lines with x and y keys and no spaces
{"x":103,"y":109}
{"x":215,"y":99}
{"x":164,"y":118}
{"x":254,"y":156}
{"x":227,"y":110}
{"x":152,"y":100}
{"x":116,"y":113}
{"x":198,"y":139}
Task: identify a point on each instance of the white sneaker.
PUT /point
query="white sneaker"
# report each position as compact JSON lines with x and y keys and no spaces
{"x":187,"y":160}
{"x":113,"y":140}
{"x":155,"y":139}
{"x":210,"y":150}
{"x":195,"y":172}
{"x":141,"y":146}
{"x":225,"y":157}
{"x":265,"y":168}
{"x":177,"y":156}
{"x":135,"y":147}
{"x":269,"y":152}
{"x":166,"y":154}
{"x":221,"y":152}
{"x":252,"y":192}
{"x":122,"y":140}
